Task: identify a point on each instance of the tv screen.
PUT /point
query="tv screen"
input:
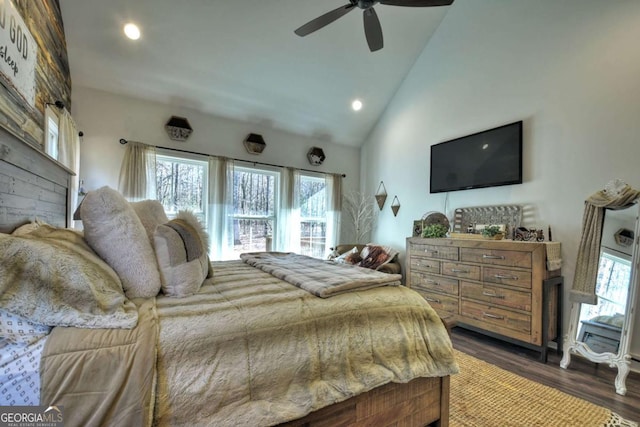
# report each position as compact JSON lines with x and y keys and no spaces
{"x":484,"y":159}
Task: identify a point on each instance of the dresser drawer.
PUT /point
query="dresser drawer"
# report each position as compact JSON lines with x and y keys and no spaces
{"x":491,"y":315}
{"x":495,"y":295}
{"x":441,"y":303}
{"x":428,"y":282}
{"x":520,"y":279}
{"x":425,"y":264}
{"x":435,"y":251}
{"x":496,"y":257}
{"x":463,"y":271}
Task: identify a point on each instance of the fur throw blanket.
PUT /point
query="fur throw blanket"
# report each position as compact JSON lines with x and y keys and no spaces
{"x":321,"y":278}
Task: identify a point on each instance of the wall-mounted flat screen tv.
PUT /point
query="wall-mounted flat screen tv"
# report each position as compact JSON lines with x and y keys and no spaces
{"x":484,"y":159}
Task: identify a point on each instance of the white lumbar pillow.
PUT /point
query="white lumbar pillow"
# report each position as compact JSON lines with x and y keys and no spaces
{"x":112,"y":228}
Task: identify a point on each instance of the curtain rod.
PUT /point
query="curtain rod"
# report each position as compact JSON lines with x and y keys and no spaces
{"x":124,"y":141}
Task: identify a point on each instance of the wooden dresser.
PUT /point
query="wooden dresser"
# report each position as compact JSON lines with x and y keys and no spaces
{"x":497,"y":287}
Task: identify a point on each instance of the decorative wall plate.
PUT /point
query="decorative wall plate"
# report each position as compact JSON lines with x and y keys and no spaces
{"x":434,"y":217}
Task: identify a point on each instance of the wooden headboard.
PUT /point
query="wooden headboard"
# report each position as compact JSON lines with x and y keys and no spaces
{"x":32,"y":185}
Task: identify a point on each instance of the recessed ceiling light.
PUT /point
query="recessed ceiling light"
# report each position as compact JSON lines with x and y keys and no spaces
{"x":132,"y":31}
{"x":356,"y":105}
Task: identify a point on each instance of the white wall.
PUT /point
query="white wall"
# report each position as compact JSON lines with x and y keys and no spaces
{"x":570,"y":69}
{"x":105,"y":118}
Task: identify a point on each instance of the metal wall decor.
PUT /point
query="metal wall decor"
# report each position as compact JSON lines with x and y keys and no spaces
{"x":381,"y":195}
{"x":395,"y":205}
{"x":465,"y":218}
{"x":254,"y":143}
{"x":178,"y":128}
{"x":316,"y":156}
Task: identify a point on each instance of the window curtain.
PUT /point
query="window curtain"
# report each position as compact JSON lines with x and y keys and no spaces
{"x":221,"y":225}
{"x":69,"y":155}
{"x":287,"y":238}
{"x":138,"y":172}
{"x":334,"y":210}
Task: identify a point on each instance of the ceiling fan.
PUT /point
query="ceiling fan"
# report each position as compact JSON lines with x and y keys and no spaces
{"x":372,"y":28}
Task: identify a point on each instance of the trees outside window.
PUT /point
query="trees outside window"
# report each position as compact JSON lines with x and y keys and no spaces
{"x":254,"y":209}
{"x":313,"y":215}
{"x":253,"y":213}
{"x":181,"y":184}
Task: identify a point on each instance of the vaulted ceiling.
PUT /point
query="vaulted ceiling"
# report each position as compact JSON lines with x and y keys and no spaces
{"x":240,"y":59}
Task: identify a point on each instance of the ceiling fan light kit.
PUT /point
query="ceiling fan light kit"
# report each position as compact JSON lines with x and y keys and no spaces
{"x":372,"y":27}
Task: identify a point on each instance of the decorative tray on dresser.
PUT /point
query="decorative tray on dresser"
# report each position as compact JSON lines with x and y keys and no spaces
{"x":500,"y":288}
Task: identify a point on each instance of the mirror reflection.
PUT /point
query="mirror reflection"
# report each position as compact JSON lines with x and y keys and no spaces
{"x":600,"y":325}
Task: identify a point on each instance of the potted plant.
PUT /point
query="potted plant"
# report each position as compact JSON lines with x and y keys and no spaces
{"x":492,"y":232}
{"x":435,"y":231}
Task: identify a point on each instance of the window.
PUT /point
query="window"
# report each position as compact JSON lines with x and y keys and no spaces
{"x":51,"y":132}
{"x":313,"y":215}
{"x":255,"y":204}
{"x":612,"y":286}
{"x":181,"y":184}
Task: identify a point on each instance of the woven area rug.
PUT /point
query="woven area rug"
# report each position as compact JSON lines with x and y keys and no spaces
{"x":484,"y":395}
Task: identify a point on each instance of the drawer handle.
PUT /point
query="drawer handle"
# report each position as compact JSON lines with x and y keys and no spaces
{"x":429,"y":250}
{"x":492,"y":295}
{"x":432,"y":300}
{"x":492,"y":256}
{"x":424,"y":265}
{"x":500,"y":276}
{"x":433,"y":282}
{"x":492,"y":316}
{"x":457,"y":270}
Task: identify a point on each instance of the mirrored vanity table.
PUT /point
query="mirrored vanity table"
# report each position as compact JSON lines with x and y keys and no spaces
{"x":602,"y":332}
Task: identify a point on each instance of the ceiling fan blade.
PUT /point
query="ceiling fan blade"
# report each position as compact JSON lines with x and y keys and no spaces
{"x":417,"y":3}
{"x":372,"y":29}
{"x":321,"y":21}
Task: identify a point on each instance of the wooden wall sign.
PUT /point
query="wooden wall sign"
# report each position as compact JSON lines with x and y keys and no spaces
{"x":18,"y":52}
{"x":34,"y":66}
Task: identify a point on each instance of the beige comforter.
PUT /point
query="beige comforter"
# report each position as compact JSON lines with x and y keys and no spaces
{"x":252,"y":350}
{"x":248,"y":349}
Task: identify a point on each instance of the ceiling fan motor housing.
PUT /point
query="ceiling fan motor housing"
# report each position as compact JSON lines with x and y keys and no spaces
{"x":366,"y":4}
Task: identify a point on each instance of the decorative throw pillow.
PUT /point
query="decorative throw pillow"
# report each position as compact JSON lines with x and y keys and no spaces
{"x":352,"y":254}
{"x":375,"y":256}
{"x":181,"y":247}
{"x":52,"y":277}
{"x":112,"y":228}
{"x":151,"y":214}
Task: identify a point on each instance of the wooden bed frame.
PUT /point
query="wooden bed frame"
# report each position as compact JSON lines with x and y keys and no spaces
{"x":33,"y":185}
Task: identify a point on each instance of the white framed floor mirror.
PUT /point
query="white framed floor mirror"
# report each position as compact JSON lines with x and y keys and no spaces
{"x":605,"y":284}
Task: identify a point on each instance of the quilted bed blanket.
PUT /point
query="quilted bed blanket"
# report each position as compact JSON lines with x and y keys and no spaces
{"x":321,"y":278}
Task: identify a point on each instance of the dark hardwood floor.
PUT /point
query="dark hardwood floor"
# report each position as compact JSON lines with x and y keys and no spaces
{"x":586,"y":380}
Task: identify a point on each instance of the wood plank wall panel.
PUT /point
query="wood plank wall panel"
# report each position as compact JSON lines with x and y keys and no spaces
{"x":43,"y":18}
{"x":32,"y":185}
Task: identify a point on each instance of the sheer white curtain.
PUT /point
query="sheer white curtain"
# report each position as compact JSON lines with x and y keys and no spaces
{"x":334,"y":210}
{"x":138,"y":172}
{"x":221,"y":208}
{"x":287,"y":238}
{"x":69,"y":155}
